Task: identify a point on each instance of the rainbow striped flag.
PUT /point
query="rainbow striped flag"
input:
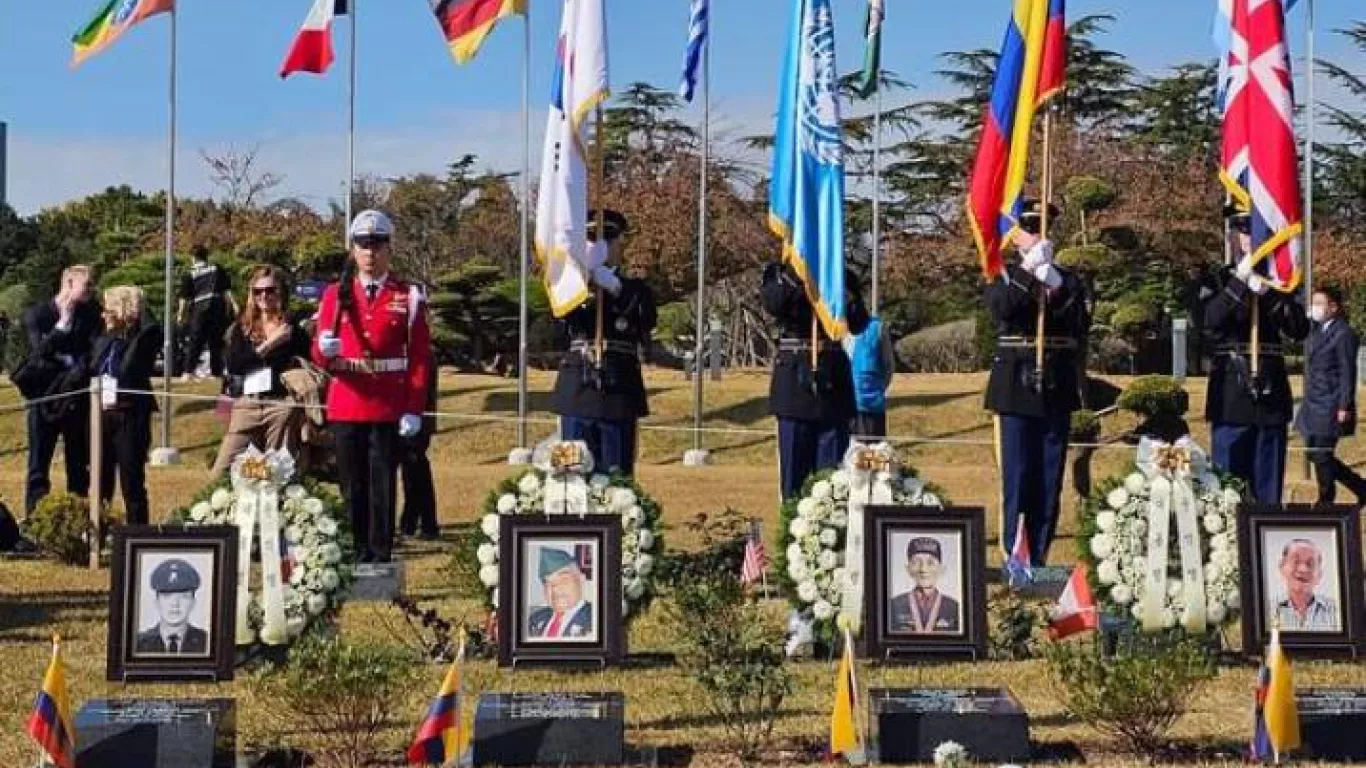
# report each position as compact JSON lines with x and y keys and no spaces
{"x":50,"y":723}
{"x":440,"y":738}
{"x":466,"y":23}
{"x":115,"y":18}
{"x":1032,"y":69}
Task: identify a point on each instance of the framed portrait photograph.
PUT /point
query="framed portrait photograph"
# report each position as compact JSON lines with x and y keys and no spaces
{"x":172,"y":603}
{"x":1302,"y":572}
{"x":926,"y":585}
{"x":559,"y":597}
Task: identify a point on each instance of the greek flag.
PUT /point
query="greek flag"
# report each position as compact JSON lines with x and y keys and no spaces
{"x":697,"y":38}
{"x":806,"y":192}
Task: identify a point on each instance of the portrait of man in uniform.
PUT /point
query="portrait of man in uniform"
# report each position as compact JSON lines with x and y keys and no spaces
{"x":925,"y":580}
{"x":560,"y":600}
{"x":172,"y":620}
{"x":1302,"y":579}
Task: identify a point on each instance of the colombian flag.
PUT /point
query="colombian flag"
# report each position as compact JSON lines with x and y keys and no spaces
{"x":440,"y":739}
{"x":466,"y":23}
{"x":1032,"y":68}
{"x":844,"y":732}
{"x":50,"y":723}
{"x":1276,"y":719}
{"x":115,"y":18}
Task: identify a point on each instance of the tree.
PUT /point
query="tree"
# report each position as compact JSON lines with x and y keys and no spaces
{"x":1341,"y":174}
{"x":1175,"y":114}
{"x":237,"y":175}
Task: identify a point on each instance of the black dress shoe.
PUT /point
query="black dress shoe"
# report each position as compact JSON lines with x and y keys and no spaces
{"x":429,"y":535}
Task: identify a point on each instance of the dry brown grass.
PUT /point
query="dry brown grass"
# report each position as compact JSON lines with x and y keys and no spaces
{"x":40,"y":597}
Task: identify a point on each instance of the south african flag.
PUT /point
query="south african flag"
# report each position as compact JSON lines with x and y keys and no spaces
{"x":115,"y":18}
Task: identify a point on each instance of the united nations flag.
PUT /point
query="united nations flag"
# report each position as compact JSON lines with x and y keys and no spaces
{"x":806,"y":193}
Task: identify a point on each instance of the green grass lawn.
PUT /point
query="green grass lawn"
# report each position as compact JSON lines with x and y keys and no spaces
{"x":949,"y":443}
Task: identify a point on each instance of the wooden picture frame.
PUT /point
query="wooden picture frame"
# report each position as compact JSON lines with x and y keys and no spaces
{"x":1317,"y":553}
{"x":952,"y":620}
{"x":567,"y":562}
{"x":180,"y":634}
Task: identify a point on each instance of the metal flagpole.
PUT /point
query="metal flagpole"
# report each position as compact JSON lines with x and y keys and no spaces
{"x":350,"y":129}
{"x":877,"y":192}
{"x":165,"y":454}
{"x":522,"y":321}
{"x":1309,"y":160}
{"x":701,"y":320}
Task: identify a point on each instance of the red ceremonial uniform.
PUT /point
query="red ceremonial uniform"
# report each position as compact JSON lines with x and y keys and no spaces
{"x":382,"y":371}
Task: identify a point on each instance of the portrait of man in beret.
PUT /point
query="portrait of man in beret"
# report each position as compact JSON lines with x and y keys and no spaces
{"x":175,"y":584}
{"x":925,"y":609}
{"x":564,"y":609}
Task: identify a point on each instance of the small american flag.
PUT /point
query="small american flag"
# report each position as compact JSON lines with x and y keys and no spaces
{"x":756,"y":559}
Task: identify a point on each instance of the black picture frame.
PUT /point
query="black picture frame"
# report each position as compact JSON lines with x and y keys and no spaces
{"x":136,"y":552}
{"x":1344,"y":525}
{"x":966,"y":526}
{"x":594,"y":542}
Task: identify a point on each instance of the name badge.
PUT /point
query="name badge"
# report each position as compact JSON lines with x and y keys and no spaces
{"x":109,"y":391}
{"x":257,"y":382}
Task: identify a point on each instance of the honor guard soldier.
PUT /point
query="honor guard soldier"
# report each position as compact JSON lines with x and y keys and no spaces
{"x":599,"y":393}
{"x":1034,"y":405}
{"x":205,"y":301}
{"x":373,"y":339}
{"x":814,"y":405}
{"x":1249,"y":403}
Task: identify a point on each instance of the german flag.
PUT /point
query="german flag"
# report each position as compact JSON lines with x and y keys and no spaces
{"x":465,"y":23}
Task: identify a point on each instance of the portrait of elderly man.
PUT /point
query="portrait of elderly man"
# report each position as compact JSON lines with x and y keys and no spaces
{"x":925,"y":610}
{"x":1298,"y":607}
{"x":567,"y":613}
{"x":176,"y":584}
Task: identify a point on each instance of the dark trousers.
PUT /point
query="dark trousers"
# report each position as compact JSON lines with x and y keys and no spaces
{"x":74,"y":431}
{"x":869,"y":425}
{"x":805,"y":447}
{"x":127,"y":435}
{"x":1254,"y":454}
{"x":366,"y":464}
{"x":1033,"y":458}
{"x":612,"y":441}
{"x":419,"y":492}
{"x":206,"y":330}
{"x":1329,"y":470}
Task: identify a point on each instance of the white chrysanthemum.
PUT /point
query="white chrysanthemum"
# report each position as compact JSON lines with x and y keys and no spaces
{"x":1117,"y":498}
{"x":316,"y":605}
{"x":331,"y":553}
{"x":950,"y":754}
{"x":489,"y":575}
{"x":507,"y":503}
{"x":1214,"y":523}
{"x":1102,"y":545}
{"x":1213,"y":571}
{"x":928,"y":499}
{"x":828,"y":560}
{"x":487,"y":554}
{"x":797,"y":570}
{"x":1121,"y":594}
{"x":293,"y":533}
{"x":829,"y":537}
{"x":794,"y":552}
{"x":201,"y":512}
{"x":622,"y":500}
{"x":327,"y":526}
{"x":221,"y":499}
{"x":839,"y":479}
{"x":1108,"y":571}
{"x":1231,"y":498}
{"x":807,"y":591}
{"x":295,"y":492}
{"x":329,"y":579}
{"x":822,"y":610}
{"x":820,"y":490}
{"x":1135,"y":483}
{"x":646,"y":540}
{"x":529,"y":484}
{"x":1233,"y":599}
{"x":1105,"y":521}
{"x":599,"y":481}
{"x":635,"y":589}
{"x":489,"y":526}
{"x":799,"y":528}
{"x":840,"y":519}
{"x":1219,"y":542}
{"x":840,"y":577}
{"x":806,"y":508}
{"x":645,"y":564}
{"x":313,"y":506}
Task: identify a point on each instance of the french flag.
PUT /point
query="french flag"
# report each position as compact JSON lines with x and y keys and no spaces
{"x":1076,"y":609}
{"x":312,"y":48}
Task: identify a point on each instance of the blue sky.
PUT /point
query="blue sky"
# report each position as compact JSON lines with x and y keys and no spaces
{"x":73,"y":132}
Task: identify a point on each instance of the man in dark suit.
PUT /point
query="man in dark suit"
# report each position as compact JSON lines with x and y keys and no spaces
{"x":60,"y":333}
{"x":1329,"y":411}
{"x":175,"y":583}
{"x":567,"y":615}
{"x":925,"y":610}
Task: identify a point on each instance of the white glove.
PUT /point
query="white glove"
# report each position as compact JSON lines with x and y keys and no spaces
{"x":1244,"y":269}
{"x":596,"y":255}
{"x":1040,"y":255}
{"x":329,"y":344}
{"x":409,"y":425}
{"x":1049,"y":276}
{"x":1257,"y":284}
{"x":605,"y":277}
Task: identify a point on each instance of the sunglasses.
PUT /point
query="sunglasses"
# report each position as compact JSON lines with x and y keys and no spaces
{"x":370,"y":242}
{"x":268,"y":290}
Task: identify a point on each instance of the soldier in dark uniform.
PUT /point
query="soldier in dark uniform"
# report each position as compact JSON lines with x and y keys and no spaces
{"x":1251,"y":410}
{"x":566,"y":615}
{"x":600,"y":400}
{"x":205,"y":300}
{"x":175,"y":583}
{"x":924,"y":610}
{"x":814,"y":407}
{"x":1034,"y":407}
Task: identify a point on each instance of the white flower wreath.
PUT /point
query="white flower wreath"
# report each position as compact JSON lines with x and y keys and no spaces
{"x":1124,"y":556}
{"x":540,"y":491}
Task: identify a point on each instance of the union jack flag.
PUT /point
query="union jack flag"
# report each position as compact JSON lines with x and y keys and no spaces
{"x":1260,"y":165}
{"x":756,"y":558}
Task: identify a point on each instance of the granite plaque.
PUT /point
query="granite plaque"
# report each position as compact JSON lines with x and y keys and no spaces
{"x":157,"y":733}
{"x":377,"y":582}
{"x":1333,"y":723}
{"x":910,"y":722}
{"x":550,"y":729}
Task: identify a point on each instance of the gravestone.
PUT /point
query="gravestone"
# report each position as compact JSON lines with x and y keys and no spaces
{"x":550,"y":729}
{"x":377,"y":582}
{"x":910,"y":722}
{"x":157,"y":733}
{"x":1333,"y":723}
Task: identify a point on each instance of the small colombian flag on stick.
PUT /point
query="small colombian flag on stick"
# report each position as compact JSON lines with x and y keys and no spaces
{"x":50,"y":723}
{"x":440,"y":739}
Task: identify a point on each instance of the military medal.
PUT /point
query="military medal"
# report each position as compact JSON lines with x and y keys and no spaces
{"x":925,"y":625}
{"x":622,"y":325}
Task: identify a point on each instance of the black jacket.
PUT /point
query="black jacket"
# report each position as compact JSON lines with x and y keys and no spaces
{"x":57,"y":359}
{"x":1015,"y":389}
{"x":241,"y":358}
{"x":614,"y":390}
{"x":134,"y":368}
{"x":1235,"y":396}
{"x":795,"y":391}
{"x":1330,"y":381}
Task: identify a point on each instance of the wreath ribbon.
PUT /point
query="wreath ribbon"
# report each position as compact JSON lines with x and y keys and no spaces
{"x":1170,"y":469}
{"x":871,"y":469}
{"x":257,"y":479}
{"x":566,"y":465}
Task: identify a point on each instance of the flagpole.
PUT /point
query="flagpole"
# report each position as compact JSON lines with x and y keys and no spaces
{"x":1309,"y":159}
{"x":701,"y":321}
{"x":877,"y":192}
{"x":350,"y":129}
{"x":1040,"y":330}
{"x":522,"y":320}
{"x":166,"y":455}
{"x":601,"y":173}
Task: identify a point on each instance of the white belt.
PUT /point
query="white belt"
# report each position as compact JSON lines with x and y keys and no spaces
{"x":369,"y":365}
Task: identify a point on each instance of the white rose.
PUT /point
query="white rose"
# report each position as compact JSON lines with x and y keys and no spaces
{"x":295,"y":492}
{"x":635,"y":589}
{"x":507,"y":503}
{"x":820,"y":491}
{"x":1117,"y":498}
{"x":201,"y":511}
{"x":1102,"y":545}
{"x":623,"y":499}
{"x":489,"y":526}
{"x":645,"y":564}
{"x":799,"y":528}
{"x":797,"y":571}
{"x":822,"y":610}
{"x":327,"y":526}
{"x":1108,"y":571}
{"x":489,"y":575}
{"x":928,"y":499}
{"x":646,"y":539}
{"x":828,"y":560}
{"x":487,"y":554}
{"x":330,"y":580}
{"x":1135,"y":483}
{"x":807,"y":591}
{"x":806,"y":508}
{"x":598,"y":482}
{"x":1214,"y":523}
{"x":529,"y":484}
{"x":313,"y":506}
{"x":1105,"y":521}
{"x":829,"y":537}
{"x":316,"y":604}
{"x":220,"y":499}
{"x":1121,"y":594}
{"x":1216,"y":613}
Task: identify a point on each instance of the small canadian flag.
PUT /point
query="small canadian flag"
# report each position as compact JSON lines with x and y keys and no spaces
{"x":1076,"y":610}
{"x":312,"y":48}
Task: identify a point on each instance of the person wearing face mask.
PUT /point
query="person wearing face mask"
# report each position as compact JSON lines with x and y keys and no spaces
{"x":1250,"y":408}
{"x":1034,"y":406}
{"x":1328,"y":412}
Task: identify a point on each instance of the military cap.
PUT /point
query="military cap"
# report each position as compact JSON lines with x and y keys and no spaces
{"x":615,"y":224}
{"x":924,"y":545}
{"x":1239,"y":219}
{"x":1031,"y":215}
{"x":175,"y":575}
{"x":372,"y":223}
{"x":553,"y":561}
